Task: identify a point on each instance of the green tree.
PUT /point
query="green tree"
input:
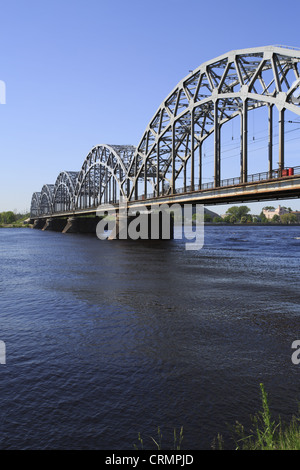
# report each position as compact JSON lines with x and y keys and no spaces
{"x":207,"y":218}
{"x":245,"y":219}
{"x":276,"y":219}
{"x":7,"y":217}
{"x":238,"y":212}
{"x":289,"y":219}
{"x":263,"y":218}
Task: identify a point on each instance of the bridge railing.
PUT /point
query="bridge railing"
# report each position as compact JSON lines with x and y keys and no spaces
{"x":262,"y":176}
{"x":256,"y":177}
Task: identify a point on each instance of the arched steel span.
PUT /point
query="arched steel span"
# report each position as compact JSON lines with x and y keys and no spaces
{"x":35,"y":204}
{"x":64,"y":191}
{"x":104,"y":176}
{"x":46,"y":199}
{"x":216,"y":92}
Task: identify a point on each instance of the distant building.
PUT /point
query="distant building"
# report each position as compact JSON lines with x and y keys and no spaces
{"x":269,"y":213}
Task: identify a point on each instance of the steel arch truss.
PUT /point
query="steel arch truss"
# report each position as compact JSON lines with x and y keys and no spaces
{"x":64,"y":191}
{"x":213,"y":94}
{"x":104,"y":176}
{"x":201,"y":103}
{"x":35,"y":205}
{"x":46,"y":199}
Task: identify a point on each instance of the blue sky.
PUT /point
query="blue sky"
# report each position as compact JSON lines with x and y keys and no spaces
{"x":82,"y":73}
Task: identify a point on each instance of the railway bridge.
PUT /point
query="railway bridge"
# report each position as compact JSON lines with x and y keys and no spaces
{"x":169,"y":164}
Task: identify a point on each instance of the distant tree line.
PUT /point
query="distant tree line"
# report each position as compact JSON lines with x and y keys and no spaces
{"x":10,"y":217}
{"x":241,"y":215}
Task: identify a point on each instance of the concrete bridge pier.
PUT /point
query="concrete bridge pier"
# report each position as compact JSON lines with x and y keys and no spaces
{"x":54,"y":224}
{"x":48,"y":224}
{"x":39,"y":223}
{"x":81,"y":225}
{"x":71,"y":226}
{"x":141,"y":226}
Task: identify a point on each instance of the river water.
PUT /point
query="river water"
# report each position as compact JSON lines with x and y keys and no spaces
{"x":108,"y":339}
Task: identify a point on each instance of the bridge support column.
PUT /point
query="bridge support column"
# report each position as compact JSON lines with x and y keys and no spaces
{"x":81,"y":225}
{"x":39,"y":223}
{"x":200,"y":165}
{"x":270,"y":149}
{"x":245,"y":142}
{"x":71,"y":226}
{"x":173,"y":189}
{"x":157,"y":169}
{"x":145,"y":180}
{"x":48,"y":224}
{"x":217,"y":149}
{"x":192,"y":150}
{"x":54,"y":224}
{"x":281,"y":141}
{"x":136,"y":188}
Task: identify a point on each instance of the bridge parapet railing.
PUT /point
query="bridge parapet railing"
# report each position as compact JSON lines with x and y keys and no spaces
{"x":262,"y":176}
{"x":256,"y":177}
{"x":230,"y":181}
{"x":296,"y":170}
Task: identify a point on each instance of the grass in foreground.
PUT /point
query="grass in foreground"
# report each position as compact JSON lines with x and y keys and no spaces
{"x":267,"y":434}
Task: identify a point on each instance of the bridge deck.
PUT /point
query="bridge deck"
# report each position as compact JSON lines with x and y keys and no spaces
{"x":284,"y":187}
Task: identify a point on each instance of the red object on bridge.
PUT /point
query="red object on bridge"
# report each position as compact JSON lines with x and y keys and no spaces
{"x":291,"y":171}
{"x":284,"y":172}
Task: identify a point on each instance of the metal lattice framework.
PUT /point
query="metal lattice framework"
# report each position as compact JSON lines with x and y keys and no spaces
{"x":46,"y":199}
{"x":35,"y":204}
{"x":213,"y":94}
{"x":219,"y":90}
{"x":64,"y":190}
{"x":104,"y":175}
